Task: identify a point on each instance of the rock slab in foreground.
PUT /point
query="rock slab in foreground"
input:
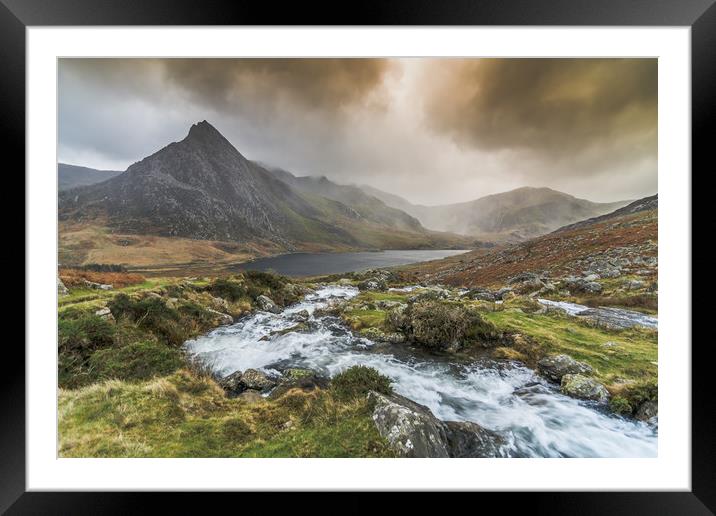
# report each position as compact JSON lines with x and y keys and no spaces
{"x":413,"y":431}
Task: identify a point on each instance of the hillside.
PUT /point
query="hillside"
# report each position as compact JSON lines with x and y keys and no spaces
{"x":203,"y":188}
{"x":508,"y":217}
{"x":624,"y":242}
{"x":71,"y":176}
{"x":365,"y":205}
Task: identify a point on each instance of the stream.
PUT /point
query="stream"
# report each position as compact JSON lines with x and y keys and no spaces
{"x":504,"y":396}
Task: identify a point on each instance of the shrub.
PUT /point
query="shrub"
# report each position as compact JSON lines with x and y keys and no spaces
{"x":620,"y":405}
{"x":152,"y":314}
{"x":227,"y":289}
{"x":439,"y":325}
{"x":86,"y":332}
{"x":135,"y":361}
{"x":118,"y":279}
{"x":357,"y":381}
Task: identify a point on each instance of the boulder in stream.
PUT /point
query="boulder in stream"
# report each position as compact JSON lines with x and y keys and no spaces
{"x":267,"y":305}
{"x":412,"y":430}
{"x":583,"y":387}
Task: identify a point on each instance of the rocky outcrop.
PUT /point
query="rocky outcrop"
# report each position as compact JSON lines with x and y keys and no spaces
{"x":583,"y":387}
{"x":413,"y":431}
{"x":582,"y":285}
{"x":555,"y":367}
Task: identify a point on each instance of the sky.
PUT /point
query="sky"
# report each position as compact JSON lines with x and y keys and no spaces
{"x":434,"y":131}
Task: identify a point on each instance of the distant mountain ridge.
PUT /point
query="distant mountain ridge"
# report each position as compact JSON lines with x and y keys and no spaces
{"x":515,"y":215}
{"x":202,"y":187}
{"x":71,"y":176}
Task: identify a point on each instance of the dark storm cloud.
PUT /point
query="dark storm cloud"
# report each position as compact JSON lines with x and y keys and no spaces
{"x":554,"y":107}
{"x":432,"y":130}
{"x":323,"y":84}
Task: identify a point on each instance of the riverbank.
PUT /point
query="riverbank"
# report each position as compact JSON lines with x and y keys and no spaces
{"x":135,"y":356}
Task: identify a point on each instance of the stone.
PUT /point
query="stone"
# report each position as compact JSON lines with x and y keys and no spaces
{"x":583,"y":387}
{"x":297,"y":378}
{"x":373,"y":284}
{"x":97,"y":286}
{"x":256,"y":380}
{"x":232,"y":383}
{"x":410,"y":428}
{"x":301,"y":316}
{"x":220,"y":318}
{"x":61,"y":288}
{"x":647,"y":410}
{"x":470,"y":440}
{"x":555,"y":367}
{"x":634,"y":284}
{"x":267,"y":305}
{"x":105,"y":313}
{"x":582,"y":285}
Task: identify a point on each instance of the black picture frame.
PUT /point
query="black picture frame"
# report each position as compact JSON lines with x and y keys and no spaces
{"x":700,"y":15}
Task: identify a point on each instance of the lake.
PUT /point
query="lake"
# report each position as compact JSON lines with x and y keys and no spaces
{"x":313,"y":264}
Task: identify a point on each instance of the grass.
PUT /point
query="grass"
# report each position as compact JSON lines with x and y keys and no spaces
{"x":185,"y":415}
{"x":616,"y":356}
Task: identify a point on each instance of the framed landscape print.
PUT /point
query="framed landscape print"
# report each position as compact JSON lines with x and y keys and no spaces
{"x":370,"y":258}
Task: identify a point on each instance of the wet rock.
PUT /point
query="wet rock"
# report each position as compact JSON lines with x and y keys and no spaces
{"x":410,"y":428}
{"x":256,"y":380}
{"x":470,"y":440}
{"x":267,"y":305}
{"x":232,"y":383}
{"x":61,"y":288}
{"x":555,"y":367}
{"x":647,"y":410}
{"x":301,"y":316}
{"x":583,"y":387}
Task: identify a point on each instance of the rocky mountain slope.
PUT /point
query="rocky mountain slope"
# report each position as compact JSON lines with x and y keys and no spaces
{"x":203,"y":188}
{"x":365,"y":205}
{"x":510,"y":216}
{"x":620,"y":244}
{"x":71,"y":176}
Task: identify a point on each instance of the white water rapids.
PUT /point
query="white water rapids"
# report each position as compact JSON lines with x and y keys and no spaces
{"x":535,"y":419}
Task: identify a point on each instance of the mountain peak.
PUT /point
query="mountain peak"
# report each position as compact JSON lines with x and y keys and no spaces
{"x":204,"y":129}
